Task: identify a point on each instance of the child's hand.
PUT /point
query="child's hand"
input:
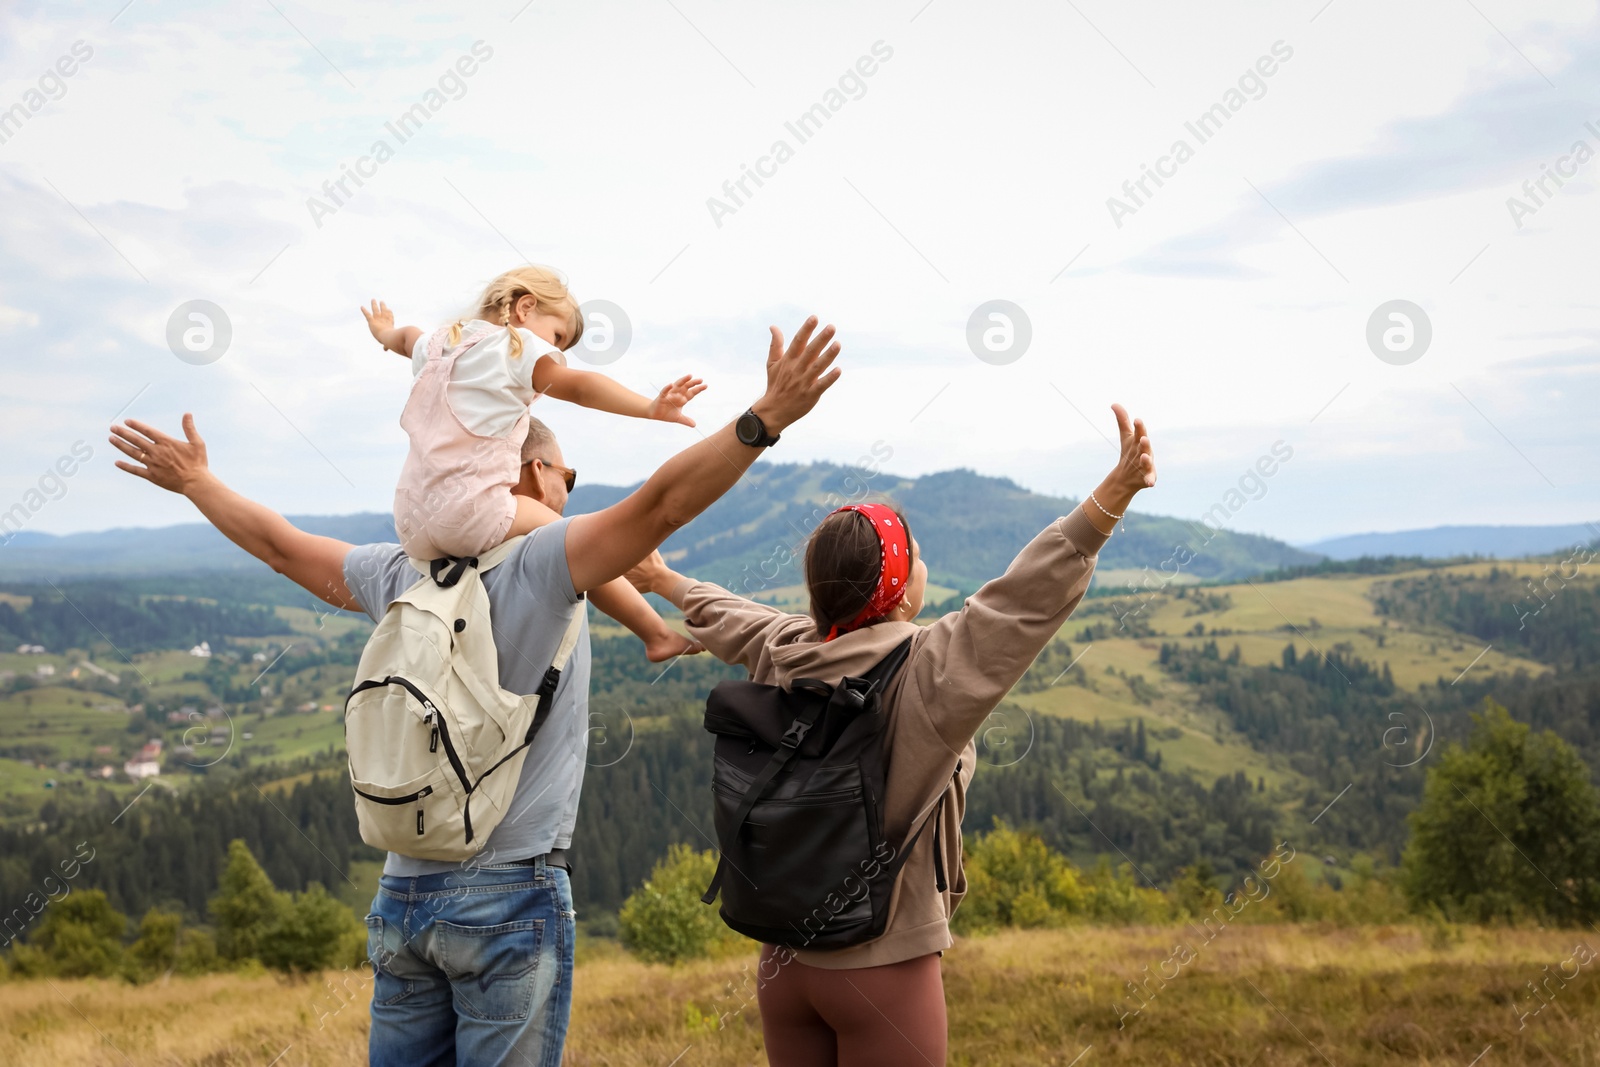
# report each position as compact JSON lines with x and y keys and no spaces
{"x":668,"y":404}
{"x":380,"y":320}
{"x":670,"y":645}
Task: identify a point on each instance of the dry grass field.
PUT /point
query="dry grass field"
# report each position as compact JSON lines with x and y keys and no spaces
{"x":1278,"y":995}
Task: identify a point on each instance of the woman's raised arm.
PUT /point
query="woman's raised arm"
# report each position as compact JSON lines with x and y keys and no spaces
{"x":971,"y":658}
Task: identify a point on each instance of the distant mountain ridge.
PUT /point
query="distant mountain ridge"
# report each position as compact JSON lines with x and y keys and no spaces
{"x":969,"y":526}
{"x":1443,"y":542}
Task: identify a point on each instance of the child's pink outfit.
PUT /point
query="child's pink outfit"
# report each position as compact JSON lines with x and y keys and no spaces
{"x":467,"y":418}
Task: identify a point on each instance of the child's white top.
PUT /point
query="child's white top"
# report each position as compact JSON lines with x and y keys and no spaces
{"x":490,"y":389}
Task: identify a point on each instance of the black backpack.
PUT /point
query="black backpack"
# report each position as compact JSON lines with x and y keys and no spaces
{"x":798,"y":789}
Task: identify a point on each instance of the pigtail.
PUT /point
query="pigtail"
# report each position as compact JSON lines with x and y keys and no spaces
{"x":541,"y":283}
{"x":455,"y":333}
{"x":515,"y":337}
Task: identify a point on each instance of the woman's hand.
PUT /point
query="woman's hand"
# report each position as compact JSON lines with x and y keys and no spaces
{"x":1136,"y":467}
{"x":652,"y":575}
{"x":1135,"y":470}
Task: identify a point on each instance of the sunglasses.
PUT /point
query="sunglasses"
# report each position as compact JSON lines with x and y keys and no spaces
{"x":568,"y":473}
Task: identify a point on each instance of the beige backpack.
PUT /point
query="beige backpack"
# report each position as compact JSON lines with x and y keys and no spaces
{"x":435,"y":745}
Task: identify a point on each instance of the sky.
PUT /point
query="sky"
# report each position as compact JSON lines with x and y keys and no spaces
{"x":919,"y":161}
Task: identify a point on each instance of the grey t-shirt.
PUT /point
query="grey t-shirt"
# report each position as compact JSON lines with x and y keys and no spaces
{"x":531,"y":601}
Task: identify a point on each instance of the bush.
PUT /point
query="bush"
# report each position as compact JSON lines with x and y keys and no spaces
{"x":1014,"y":879}
{"x":1116,"y":897}
{"x":80,"y":937}
{"x":1194,"y":893}
{"x":197,"y":953}
{"x":664,"y":921}
{"x":307,"y":931}
{"x":155,"y":951}
{"x":314,"y":931}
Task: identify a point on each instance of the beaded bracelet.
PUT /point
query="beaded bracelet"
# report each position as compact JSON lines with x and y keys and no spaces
{"x":1101,"y":506}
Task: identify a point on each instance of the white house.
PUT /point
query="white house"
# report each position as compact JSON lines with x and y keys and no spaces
{"x":146,"y":763}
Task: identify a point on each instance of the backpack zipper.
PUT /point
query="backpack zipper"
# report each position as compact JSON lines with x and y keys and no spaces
{"x":408,"y":798}
{"x":431,"y":714}
{"x":831,"y":795}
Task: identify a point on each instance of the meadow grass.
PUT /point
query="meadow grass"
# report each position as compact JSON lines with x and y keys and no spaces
{"x":1282,"y":995}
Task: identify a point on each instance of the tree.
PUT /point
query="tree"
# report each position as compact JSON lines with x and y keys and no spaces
{"x":1508,"y":829}
{"x":246,"y":907}
{"x":664,"y":920}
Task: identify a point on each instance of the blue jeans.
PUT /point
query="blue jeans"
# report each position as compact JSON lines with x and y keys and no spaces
{"x":471,"y":967}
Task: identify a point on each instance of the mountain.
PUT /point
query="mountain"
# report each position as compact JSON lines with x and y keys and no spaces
{"x":137,"y":551}
{"x":969,"y":526}
{"x":1444,"y":542}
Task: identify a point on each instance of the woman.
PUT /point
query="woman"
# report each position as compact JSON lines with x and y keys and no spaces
{"x":883,"y":1001}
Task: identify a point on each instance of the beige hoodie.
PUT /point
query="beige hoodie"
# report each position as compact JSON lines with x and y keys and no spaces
{"x":959,"y":669}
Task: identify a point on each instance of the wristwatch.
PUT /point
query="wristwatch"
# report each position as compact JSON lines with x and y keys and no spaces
{"x":753,"y":432}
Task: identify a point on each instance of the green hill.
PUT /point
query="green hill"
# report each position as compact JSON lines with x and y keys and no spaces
{"x":970,"y":526}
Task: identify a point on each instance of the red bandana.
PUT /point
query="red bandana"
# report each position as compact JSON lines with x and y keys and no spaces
{"x":895,"y":571}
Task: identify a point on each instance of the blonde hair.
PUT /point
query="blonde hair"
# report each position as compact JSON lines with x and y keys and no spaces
{"x":501,"y":295}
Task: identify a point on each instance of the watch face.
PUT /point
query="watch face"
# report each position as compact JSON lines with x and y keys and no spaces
{"x":748,"y":428}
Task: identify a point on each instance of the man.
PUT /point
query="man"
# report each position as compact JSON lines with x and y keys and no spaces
{"x":473,"y":962}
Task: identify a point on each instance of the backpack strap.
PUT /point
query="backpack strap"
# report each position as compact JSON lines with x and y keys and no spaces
{"x":790,"y":743}
{"x":552,"y":675}
{"x":453,"y":567}
{"x":546,"y":691}
{"x":787,"y":747}
{"x":890,"y":665}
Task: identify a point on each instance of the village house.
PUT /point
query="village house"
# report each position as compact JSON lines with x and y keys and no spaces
{"x":146,"y":763}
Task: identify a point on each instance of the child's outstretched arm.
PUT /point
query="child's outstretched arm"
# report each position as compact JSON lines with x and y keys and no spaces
{"x":620,"y":600}
{"x":617,"y":598}
{"x":380,"y":320}
{"x":590,"y":390}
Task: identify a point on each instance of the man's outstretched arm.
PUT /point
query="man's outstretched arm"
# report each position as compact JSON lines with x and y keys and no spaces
{"x":314,"y":563}
{"x":606,"y":544}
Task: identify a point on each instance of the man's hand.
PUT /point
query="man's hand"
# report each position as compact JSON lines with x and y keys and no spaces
{"x":669,"y":403}
{"x":314,"y":563}
{"x":172,"y":464}
{"x":796,"y":378}
{"x":603,"y":545}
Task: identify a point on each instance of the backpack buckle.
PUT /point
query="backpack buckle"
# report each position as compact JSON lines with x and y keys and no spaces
{"x":447,"y":571}
{"x":795,"y":735}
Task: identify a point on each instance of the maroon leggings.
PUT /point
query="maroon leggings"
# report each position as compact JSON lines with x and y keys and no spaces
{"x":866,"y":1017}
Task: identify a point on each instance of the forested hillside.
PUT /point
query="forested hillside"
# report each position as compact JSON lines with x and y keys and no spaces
{"x":1163,"y":729}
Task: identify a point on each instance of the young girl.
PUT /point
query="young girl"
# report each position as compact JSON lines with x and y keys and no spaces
{"x":467,"y":418}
